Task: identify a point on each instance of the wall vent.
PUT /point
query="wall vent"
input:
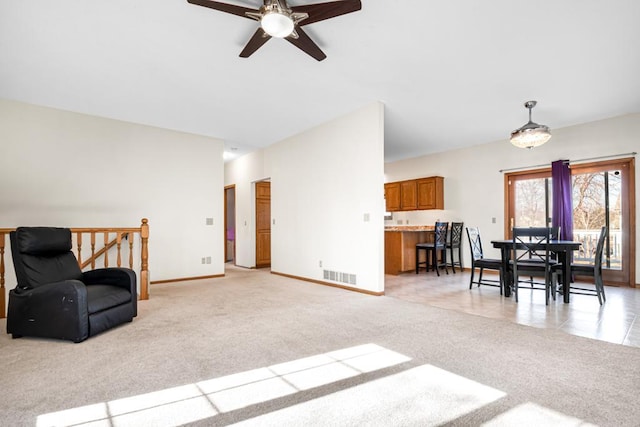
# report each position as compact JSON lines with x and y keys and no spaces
{"x":337,"y":276}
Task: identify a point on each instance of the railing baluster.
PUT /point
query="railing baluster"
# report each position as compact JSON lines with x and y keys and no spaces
{"x":79,"y":242}
{"x":93,"y":250}
{"x":118,"y":244}
{"x":106,"y":252}
{"x":144,"y":261}
{"x":130,"y":237}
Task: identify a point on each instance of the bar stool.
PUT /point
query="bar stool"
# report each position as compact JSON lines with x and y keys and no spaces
{"x":455,"y":242}
{"x":439,"y":245}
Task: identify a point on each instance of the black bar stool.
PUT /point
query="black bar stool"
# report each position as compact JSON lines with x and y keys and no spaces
{"x":431,"y":249}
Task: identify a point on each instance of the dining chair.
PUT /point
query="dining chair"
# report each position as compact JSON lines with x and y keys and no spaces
{"x":454,"y":244}
{"x":531,"y":257}
{"x":478,"y":261}
{"x":554,"y":234}
{"x":439,"y":246}
{"x":593,"y":270}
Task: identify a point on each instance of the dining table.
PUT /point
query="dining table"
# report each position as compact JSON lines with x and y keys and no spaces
{"x":562,"y":248}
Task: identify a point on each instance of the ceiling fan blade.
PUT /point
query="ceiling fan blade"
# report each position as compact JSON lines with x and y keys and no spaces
{"x":225,"y":7}
{"x":321,"y":11}
{"x":307,"y":45}
{"x":259,"y":38}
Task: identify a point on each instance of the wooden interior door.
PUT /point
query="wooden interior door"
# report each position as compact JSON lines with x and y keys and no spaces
{"x":229,"y":234}
{"x":263,"y":224}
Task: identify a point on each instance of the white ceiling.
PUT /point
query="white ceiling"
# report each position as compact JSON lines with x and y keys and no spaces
{"x":451,"y":73}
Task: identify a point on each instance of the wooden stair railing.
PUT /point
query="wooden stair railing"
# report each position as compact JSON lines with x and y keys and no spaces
{"x":104,"y":250}
{"x":120,"y":233}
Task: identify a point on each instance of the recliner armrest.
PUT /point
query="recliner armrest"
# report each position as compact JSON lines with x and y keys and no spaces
{"x":57,"y":310}
{"x":114,"y":276}
{"x":50,"y":292}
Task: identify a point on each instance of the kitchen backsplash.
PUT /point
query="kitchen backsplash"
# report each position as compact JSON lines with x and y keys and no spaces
{"x":419,"y":217}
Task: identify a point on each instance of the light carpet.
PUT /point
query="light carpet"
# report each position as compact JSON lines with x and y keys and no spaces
{"x":259,"y":349}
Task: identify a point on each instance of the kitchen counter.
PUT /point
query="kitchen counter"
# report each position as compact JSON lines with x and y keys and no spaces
{"x":408,"y":228}
{"x":400,"y":246}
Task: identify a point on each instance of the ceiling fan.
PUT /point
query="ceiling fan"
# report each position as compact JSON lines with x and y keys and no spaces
{"x":279,"y":20}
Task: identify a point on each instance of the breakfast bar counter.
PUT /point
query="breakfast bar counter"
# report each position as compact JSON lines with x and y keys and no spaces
{"x":400,"y":246}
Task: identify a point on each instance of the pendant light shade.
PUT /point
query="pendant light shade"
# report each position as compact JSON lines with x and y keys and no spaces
{"x":531,"y":134}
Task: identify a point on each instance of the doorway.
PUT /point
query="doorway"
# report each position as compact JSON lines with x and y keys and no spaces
{"x":230,"y":224}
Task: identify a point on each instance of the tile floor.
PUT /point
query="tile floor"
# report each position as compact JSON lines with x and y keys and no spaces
{"x":617,"y":321}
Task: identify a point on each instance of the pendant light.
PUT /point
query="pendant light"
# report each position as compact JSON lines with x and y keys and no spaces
{"x":531,"y":134}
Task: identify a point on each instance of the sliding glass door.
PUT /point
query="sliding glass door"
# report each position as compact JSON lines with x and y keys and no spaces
{"x":603,"y":195}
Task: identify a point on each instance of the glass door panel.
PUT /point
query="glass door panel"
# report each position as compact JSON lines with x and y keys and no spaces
{"x":529,"y":202}
{"x":600,"y":198}
{"x":532,"y":209}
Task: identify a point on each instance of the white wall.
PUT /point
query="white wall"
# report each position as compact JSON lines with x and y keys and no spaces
{"x":474,"y":187}
{"x":323,"y":182}
{"x":66,"y":169}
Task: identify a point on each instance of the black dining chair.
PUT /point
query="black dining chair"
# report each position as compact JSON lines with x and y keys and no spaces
{"x":530,"y":257}
{"x":554,"y":234}
{"x":454,"y":244}
{"x":439,"y":245}
{"x":478,"y":261}
{"x":593,"y":270}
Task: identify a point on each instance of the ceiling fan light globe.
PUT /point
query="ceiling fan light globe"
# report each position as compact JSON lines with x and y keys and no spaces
{"x":277,"y":24}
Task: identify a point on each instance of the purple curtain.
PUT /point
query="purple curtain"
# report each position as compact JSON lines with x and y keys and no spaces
{"x":562,"y":212}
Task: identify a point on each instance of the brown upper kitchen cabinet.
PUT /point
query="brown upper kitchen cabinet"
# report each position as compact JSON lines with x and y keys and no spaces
{"x":430,"y":193}
{"x":392,"y":196}
{"x":408,"y":195}
{"x":415,"y":194}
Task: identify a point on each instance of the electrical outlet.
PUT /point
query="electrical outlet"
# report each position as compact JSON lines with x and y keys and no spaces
{"x":204,"y":260}
{"x":208,"y":260}
{"x":320,"y":264}
{"x":366,"y":217}
{"x":209,"y":221}
{"x":493,"y":220}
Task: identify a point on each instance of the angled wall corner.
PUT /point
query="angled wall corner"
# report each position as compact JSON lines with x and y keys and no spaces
{"x":328,"y":202}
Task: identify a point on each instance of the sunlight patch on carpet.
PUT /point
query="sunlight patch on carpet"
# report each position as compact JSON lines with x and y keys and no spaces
{"x":179,"y":405}
{"x":531,"y":414}
{"x":425,"y":396}
{"x":170,"y":407}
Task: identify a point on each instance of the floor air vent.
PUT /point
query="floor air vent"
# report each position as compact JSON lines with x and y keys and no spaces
{"x":337,"y":276}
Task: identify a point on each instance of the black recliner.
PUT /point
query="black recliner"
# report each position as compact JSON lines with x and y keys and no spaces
{"x":55,"y":299}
